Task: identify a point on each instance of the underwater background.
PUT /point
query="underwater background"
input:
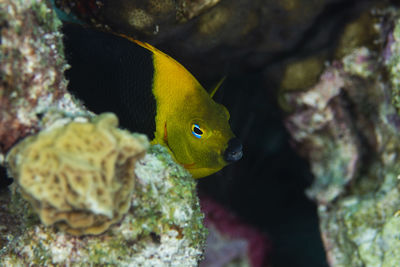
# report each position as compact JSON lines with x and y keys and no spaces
{"x":312,"y":90}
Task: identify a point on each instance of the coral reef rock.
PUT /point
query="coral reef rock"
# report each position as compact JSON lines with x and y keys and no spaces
{"x":163,"y":227}
{"x":79,"y":176}
{"x":214,"y":33}
{"x":347,"y":126}
{"x":31,"y":67}
{"x":80,"y":173}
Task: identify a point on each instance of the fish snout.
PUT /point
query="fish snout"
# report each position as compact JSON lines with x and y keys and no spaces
{"x":234,"y":150}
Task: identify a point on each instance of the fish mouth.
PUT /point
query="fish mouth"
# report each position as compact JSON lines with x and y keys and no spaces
{"x":165,"y":138}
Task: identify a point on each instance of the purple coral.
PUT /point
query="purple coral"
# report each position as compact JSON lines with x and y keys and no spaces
{"x":240,"y":239}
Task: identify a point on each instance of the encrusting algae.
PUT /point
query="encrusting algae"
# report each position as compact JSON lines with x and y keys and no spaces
{"x":163,"y":226}
{"x":348,"y":126}
{"x":79,"y":176}
{"x":148,"y":212}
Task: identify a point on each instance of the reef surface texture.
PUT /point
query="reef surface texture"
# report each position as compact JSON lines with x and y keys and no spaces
{"x":31,"y":69}
{"x":79,"y":176}
{"x":84,"y":192}
{"x":343,"y":117}
{"x":163,"y":226}
{"x":347,"y":126}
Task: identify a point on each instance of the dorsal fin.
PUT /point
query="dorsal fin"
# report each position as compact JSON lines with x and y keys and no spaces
{"x":212,"y":93}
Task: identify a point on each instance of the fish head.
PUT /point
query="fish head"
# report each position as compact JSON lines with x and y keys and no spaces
{"x":200,"y":137}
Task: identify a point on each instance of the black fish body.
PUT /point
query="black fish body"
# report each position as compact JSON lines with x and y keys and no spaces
{"x":103,"y":66}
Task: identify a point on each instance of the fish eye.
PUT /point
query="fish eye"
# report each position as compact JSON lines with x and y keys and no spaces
{"x":197,"y":131}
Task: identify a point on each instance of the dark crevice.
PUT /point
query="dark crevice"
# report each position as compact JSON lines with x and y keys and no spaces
{"x":5,"y":180}
{"x":322,"y":35}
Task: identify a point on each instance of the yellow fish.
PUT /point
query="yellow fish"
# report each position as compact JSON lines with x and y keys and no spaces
{"x":151,"y":93}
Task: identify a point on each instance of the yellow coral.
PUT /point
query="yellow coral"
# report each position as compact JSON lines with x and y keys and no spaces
{"x":79,"y":176}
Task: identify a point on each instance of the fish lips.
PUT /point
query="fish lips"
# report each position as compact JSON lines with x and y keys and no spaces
{"x":234,"y":151}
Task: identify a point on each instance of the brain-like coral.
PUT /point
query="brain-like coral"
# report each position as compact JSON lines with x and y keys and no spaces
{"x":79,"y":176}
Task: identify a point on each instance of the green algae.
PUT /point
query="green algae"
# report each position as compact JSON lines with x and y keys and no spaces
{"x":164,"y":220}
{"x":31,"y":69}
{"x":169,"y":200}
{"x":364,"y":228}
{"x":360,"y":32}
{"x":302,"y":74}
{"x":38,"y":26}
{"x":358,"y":62}
{"x":46,"y":17}
{"x":18,"y":206}
{"x":164,"y":225}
